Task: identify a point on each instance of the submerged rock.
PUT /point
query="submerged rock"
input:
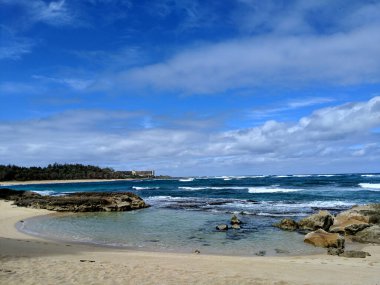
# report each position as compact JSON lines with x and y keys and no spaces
{"x":235,"y":227}
{"x":322,"y":238}
{"x":321,"y":220}
{"x":222,"y":227}
{"x":77,"y":202}
{"x":279,"y":250}
{"x":261,"y":253}
{"x":287,"y":225}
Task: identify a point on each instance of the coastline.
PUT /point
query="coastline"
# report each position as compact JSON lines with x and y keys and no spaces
{"x":36,"y":182}
{"x":33,"y":260}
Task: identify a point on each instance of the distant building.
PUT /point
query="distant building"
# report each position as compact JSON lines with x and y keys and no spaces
{"x":144,"y":173}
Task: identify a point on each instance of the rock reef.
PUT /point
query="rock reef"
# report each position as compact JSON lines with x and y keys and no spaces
{"x":76,"y":202}
{"x":360,"y":224}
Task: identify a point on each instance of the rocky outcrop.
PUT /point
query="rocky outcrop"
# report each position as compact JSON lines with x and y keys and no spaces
{"x":222,"y":227}
{"x":322,"y":238}
{"x":235,"y":220}
{"x":368,"y":235}
{"x":321,"y":220}
{"x":355,"y":254}
{"x":287,"y":225}
{"x":369,"y":214}
{"x":352,"y":221}
{"x":77,"y":202}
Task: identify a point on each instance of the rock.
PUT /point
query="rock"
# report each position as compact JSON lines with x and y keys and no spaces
{"x":349,"y":223}
{"x":335,"y":251}
{"x":354,"y":228}
{"x":79,"y":202}
{"x":369,"y":214}
{"x":222,"y":227}
{"x":321,"y":220}
{"x":368,"y":235}
{"x":278,"y":250}
{"x":235,"y":220}
{"x":235,"y":227}
{"x":355,"y":254}
{"x":322,"y":238}
{"x":261,"y":253}
{"x":287,"y":225}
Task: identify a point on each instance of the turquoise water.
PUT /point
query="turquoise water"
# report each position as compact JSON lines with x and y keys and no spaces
{"x":168,"y":230}
{"x":184,"y":212}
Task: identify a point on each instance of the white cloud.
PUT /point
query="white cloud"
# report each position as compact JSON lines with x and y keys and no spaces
{"x":342,"y":58}
{"x":74,"y":83}
{"x":331,"y":139}
{"x":11,"y":46}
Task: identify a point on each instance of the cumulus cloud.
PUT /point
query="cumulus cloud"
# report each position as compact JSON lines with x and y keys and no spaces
{"x":339,"y":138}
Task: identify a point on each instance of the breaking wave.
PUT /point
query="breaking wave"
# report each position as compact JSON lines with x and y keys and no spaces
{"x":145,"y":188}
{"x":370,"y":186}
{"x":271,"y":190}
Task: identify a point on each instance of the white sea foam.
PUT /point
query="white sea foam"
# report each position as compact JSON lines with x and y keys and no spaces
{"x":317,"y":204}
{"x":45,"y":192}
{"x":370,"y":175}
{"x":326,"y":175}
{"x":271,"y":190}
{"x":212,"y":188}
{"x":187,"y":179}
{"x":145,"y":188}
{"x":370,"y":186}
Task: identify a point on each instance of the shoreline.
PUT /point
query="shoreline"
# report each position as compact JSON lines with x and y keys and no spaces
{"x":37,"y":182}
{"x":31,"y":260}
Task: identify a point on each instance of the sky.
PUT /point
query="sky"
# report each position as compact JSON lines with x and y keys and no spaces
{"x":191,"y":87}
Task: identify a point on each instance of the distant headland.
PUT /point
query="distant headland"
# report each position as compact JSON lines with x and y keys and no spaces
{"x":70,"y":172}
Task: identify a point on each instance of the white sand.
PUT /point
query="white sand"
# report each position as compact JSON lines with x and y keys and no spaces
{"x":29,"y":260}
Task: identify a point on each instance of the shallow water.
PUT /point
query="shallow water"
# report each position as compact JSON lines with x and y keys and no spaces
{"x":185,"y":211}
{"x":170,"y":230}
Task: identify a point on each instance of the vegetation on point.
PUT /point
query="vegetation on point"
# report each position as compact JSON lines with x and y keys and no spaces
{"x":61,"y":172}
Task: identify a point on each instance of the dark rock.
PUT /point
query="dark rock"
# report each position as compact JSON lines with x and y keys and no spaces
{"x":235,"y":220}
{"x":335,"y":251}
{"x":322,"y":238}
{"x":368,"y":235}
{"x":287,"y":225}
{"x":78,"y":202}
{"x":321,"y":220}
{"x":355,"y":254}
{"x":261,"y":253}
{"x":278,"y":250}
{"x":222,"y":227}
{"x":354,"y":228}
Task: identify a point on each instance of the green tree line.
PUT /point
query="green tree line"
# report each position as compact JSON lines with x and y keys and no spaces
{"x":60,"y":172}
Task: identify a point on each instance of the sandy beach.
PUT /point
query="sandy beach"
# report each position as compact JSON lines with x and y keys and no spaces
{"x":30,"y":260}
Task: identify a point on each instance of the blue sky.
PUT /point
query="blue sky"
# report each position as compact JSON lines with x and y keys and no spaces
{"x":192,"y":87}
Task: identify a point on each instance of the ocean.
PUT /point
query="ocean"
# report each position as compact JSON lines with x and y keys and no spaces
{"x":185,"y":211}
